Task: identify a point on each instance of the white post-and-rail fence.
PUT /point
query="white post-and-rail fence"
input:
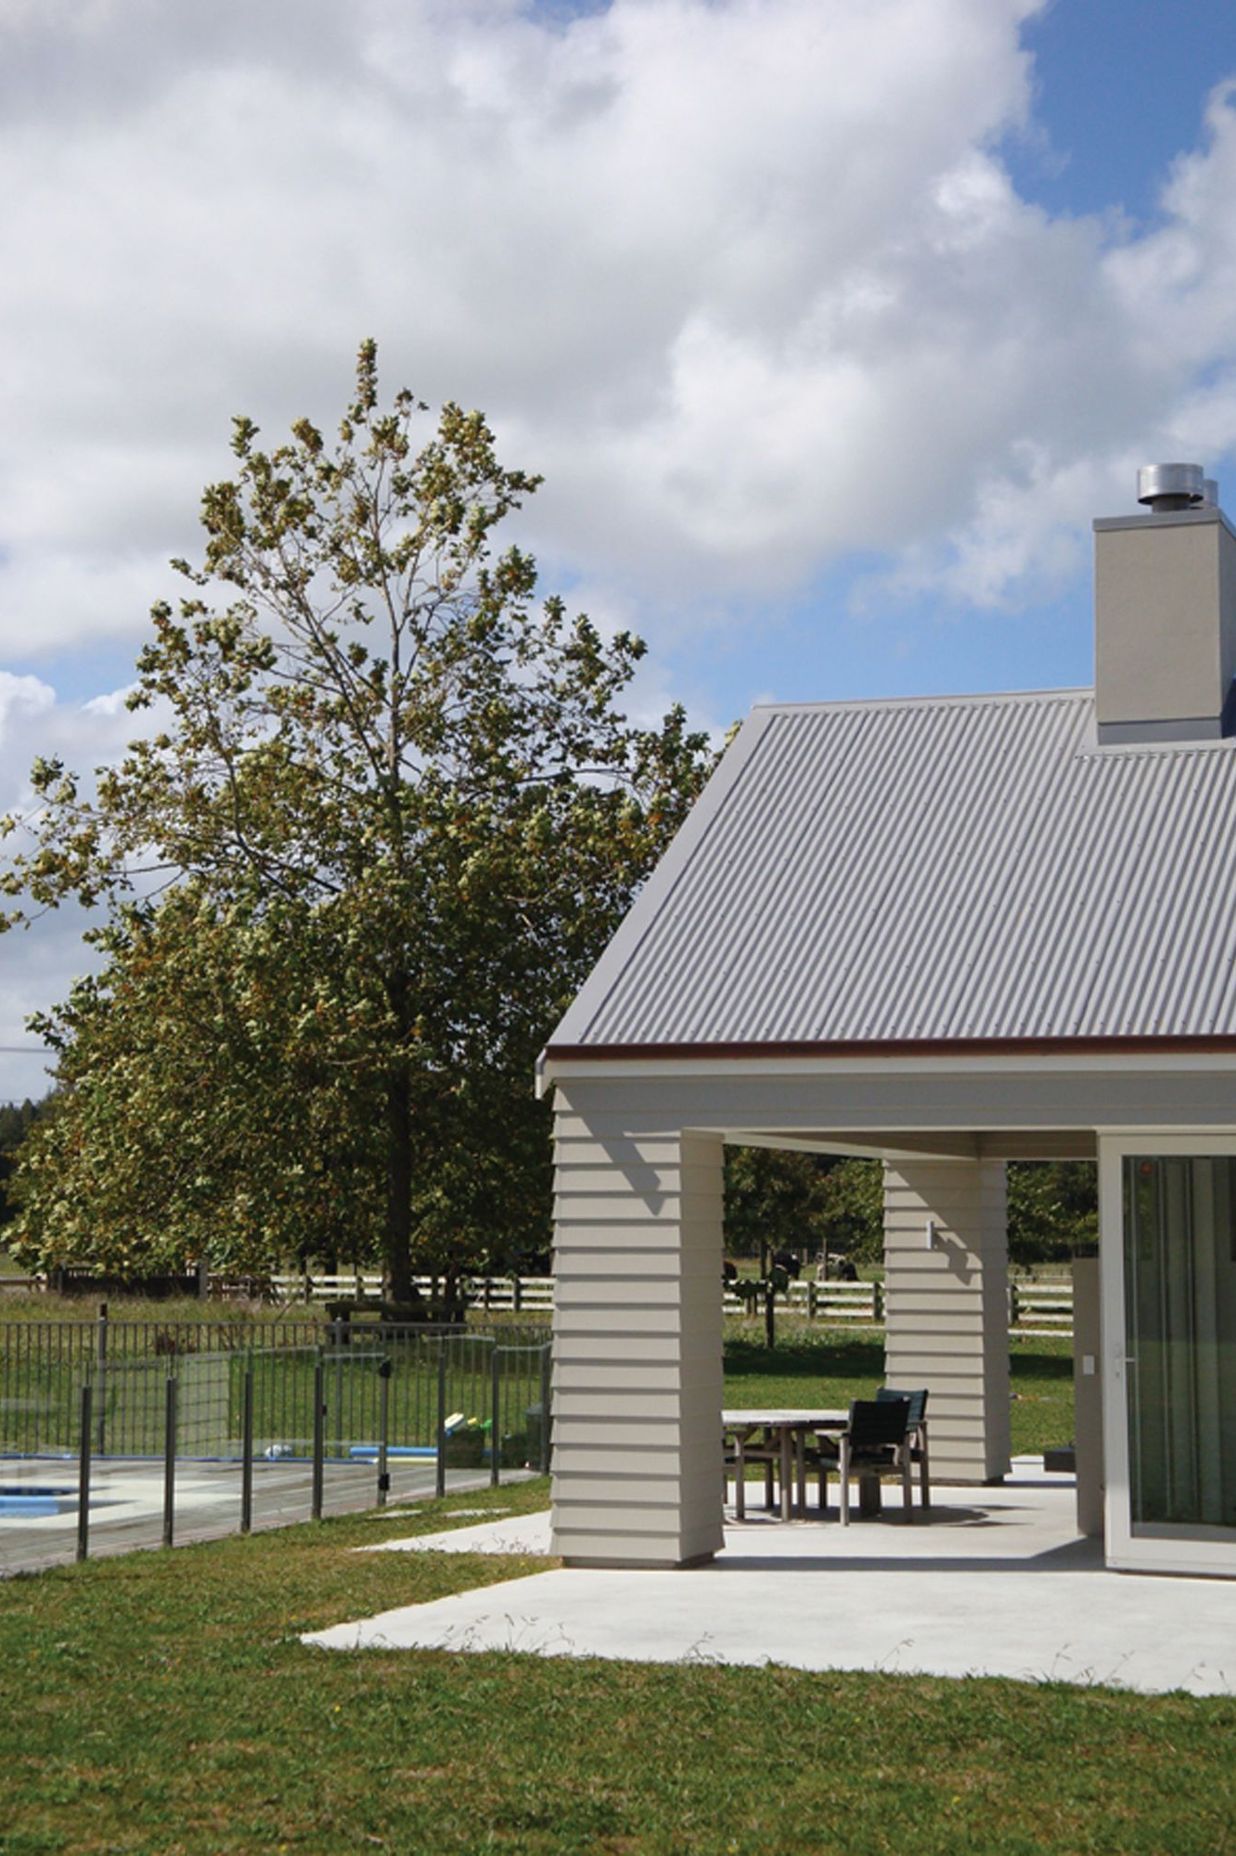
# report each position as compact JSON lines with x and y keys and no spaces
{"x":1034,"y":1307}
{"x":523,"y":1294}
{"x":818,"y":1301}
{"x":847,"y":1301}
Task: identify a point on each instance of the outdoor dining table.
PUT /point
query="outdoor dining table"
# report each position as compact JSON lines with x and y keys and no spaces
{"x":791,"y":1429}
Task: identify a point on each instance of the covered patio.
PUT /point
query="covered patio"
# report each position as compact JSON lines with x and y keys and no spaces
{"x":946,"y":932}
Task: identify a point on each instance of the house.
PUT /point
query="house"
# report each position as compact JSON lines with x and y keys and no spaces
{"x":947,"y":933}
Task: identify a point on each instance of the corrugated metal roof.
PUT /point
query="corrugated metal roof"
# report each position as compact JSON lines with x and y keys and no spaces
{"x":943,"y":869}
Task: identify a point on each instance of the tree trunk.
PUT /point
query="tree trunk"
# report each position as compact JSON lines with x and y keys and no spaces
{"x":454,"y":1301}
{"x":399,"y":1189}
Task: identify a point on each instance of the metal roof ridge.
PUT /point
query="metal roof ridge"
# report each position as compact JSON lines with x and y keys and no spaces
{"x":964,"y":699}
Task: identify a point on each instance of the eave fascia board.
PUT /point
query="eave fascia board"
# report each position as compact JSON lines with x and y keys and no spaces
{"x":946,"y":1057}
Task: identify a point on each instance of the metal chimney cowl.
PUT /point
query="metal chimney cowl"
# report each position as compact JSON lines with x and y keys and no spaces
{"x":1165,"y":613}
{"x":1166,"y":487}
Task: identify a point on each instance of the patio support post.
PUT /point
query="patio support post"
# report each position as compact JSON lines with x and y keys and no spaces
{"x":637,"y":1336}
{"x":946,"y":1311}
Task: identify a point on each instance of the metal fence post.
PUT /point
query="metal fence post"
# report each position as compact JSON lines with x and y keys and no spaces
{"x":339,"y":1401}
{"x":83,"y":1474}
{"x":440,"y":1468}
{"x":100,"y":1360}
{"x":319,"y":1437}
{"x":169,"y":1459}
{"x":495,"y":1417}
{"x":384,"y":1412}
{"x":545,"y":1411}
{"x":246,"y":1449}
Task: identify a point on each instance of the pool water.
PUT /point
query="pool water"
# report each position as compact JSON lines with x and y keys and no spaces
{"x":31,"y":1500}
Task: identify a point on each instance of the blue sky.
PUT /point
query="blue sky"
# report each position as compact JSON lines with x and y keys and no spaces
{"x":831,"y":323}
{"x":1119,"y":90}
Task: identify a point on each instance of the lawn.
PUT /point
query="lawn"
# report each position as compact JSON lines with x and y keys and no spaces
{"x":162,"y":1703}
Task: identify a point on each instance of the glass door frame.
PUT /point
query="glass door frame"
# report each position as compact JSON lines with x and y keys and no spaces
{"x":1125,"y":1550}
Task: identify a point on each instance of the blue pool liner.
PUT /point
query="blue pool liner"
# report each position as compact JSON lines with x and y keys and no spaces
{"x":368,"y":1453}
{"x":29,"y":1505}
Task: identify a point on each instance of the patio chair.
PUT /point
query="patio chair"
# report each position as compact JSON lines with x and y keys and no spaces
{"x":916,"y":1436}
{"x":872,"y":1445}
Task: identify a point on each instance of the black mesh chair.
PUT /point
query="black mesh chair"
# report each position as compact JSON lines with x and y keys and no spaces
{"x":916,"y":1436}
{"x":873,"y":1444}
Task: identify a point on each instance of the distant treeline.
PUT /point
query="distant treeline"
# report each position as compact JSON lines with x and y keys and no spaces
{"x":16,"y":1120}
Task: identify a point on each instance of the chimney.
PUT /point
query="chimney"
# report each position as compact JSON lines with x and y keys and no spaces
{"x":1165,"y":613}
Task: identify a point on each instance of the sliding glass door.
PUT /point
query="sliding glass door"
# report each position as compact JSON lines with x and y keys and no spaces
{"x":1171,"y":1347}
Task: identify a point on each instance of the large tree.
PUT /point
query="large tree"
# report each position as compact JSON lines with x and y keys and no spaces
{"x":394,"y":802}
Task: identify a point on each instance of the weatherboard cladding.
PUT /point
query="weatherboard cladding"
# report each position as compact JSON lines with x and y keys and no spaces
{"x":943,"y":869}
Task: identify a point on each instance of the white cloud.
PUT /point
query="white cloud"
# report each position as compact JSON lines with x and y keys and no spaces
{"x":22,"y":697}
{"x":675,"y":249}
{"x":746,"y":279}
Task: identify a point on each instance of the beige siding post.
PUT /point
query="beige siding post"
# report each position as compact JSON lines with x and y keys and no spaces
{"x":637,"y":1341}
{"x":946,"y":1308}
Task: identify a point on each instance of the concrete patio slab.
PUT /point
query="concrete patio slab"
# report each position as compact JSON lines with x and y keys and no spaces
{"x":997,"y":1583}
{"x":521,"y":1533}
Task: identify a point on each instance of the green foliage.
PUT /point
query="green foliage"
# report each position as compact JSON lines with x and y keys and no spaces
{"x":854,"y":1210}
{"x":195,"y":1117}
{"x":772,"y":1200}
{"x":16,"y":1121}
{"x":1053,"y":1210}
{"x":802,"y":1202}
{"x":390,"y":812}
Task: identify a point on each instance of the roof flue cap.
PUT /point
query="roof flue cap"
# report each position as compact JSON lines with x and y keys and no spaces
{"x":1167,"y":487}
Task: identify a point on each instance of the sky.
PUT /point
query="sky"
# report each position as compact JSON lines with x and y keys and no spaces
{"x":831,"y":324}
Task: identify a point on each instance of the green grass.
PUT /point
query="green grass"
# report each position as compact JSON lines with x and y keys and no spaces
{"x":830,"y":1366}
{"x":163,"y":1704}
{"x":41,"y":1306}
{"x":1042,"y":1376}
